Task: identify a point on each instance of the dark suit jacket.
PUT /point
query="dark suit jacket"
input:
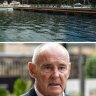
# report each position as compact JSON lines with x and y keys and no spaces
{"x":32,"y":93}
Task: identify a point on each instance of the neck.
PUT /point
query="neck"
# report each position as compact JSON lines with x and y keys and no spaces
{"x":40,"y":94}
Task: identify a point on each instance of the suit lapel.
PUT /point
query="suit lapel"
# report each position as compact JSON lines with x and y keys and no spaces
{"x":32,"y":92}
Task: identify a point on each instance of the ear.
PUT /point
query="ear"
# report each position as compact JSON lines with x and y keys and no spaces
{"x":32,"y":69}
{"x":69,"y":68}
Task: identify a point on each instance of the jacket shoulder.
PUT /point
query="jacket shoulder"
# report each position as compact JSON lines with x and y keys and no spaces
{"x":30,"y":93}
{"x":26,"y":94}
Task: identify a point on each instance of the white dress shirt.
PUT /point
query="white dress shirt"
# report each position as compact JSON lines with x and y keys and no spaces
{"x":39,"y":94}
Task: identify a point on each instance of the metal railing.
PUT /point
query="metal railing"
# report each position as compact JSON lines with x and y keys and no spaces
{"x":18,"y":66}
{"x":14,"y":66}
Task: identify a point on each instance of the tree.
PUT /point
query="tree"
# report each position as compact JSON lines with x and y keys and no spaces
{"x":21,"y":86}
{"x":70,"y":2}
{"x":90,"y":66}
{"x":3,"y":92}
{"x":93,"y":3}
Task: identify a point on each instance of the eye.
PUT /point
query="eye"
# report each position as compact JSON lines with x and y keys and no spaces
{"x":62,"y":68}
{"x":47,"y":68}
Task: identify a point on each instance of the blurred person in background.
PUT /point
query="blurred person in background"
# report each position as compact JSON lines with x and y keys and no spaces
{"x":50,"y":67}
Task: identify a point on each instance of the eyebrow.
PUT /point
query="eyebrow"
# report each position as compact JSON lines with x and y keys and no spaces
{"x":45,"y":65}
{"x":62,"y":65}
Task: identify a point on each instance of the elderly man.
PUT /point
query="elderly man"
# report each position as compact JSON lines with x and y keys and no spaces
{"x":50,"y":67}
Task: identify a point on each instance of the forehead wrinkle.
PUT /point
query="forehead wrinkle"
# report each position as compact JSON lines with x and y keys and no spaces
{"x":55,"y":49}
{"x":47,"y":56}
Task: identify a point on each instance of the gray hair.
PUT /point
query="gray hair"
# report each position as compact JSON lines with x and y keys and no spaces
{"x":45,"y":46}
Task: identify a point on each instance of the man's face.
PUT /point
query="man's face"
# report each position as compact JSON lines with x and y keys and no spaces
{"x":52,"y":72}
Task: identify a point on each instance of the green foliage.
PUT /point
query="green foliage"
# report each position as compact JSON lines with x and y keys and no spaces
{"x":90,"y":66}
{"x":3,"y":92}
{"x":29,"y":84}
{"x":21,"y":86}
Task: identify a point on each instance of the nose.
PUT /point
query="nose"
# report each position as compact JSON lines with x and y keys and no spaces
{"x":55,"y":74}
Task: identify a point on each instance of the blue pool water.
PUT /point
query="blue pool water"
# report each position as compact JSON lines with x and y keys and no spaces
{"x":20,"y":26}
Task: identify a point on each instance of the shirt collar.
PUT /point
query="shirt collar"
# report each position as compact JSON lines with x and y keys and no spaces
{"x":39,"y":94}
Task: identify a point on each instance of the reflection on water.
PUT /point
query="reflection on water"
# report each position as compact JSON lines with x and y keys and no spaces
{"x":30,"y":26}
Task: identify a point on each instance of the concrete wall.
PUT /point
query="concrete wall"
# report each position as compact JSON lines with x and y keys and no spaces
{"x":73,"y":86}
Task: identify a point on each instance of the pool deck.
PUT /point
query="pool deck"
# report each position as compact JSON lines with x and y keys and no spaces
{"x":59,"y":10}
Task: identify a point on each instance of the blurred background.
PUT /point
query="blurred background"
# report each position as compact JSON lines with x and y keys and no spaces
{"x":15,"y":78}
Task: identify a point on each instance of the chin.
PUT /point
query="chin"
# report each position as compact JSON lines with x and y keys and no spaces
{"x":55,"y":92}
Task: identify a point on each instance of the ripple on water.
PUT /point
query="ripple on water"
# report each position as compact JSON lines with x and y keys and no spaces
{"x":30,"y":26}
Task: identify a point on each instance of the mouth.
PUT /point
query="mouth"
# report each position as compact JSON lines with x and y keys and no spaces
{"x":54,"y":84}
